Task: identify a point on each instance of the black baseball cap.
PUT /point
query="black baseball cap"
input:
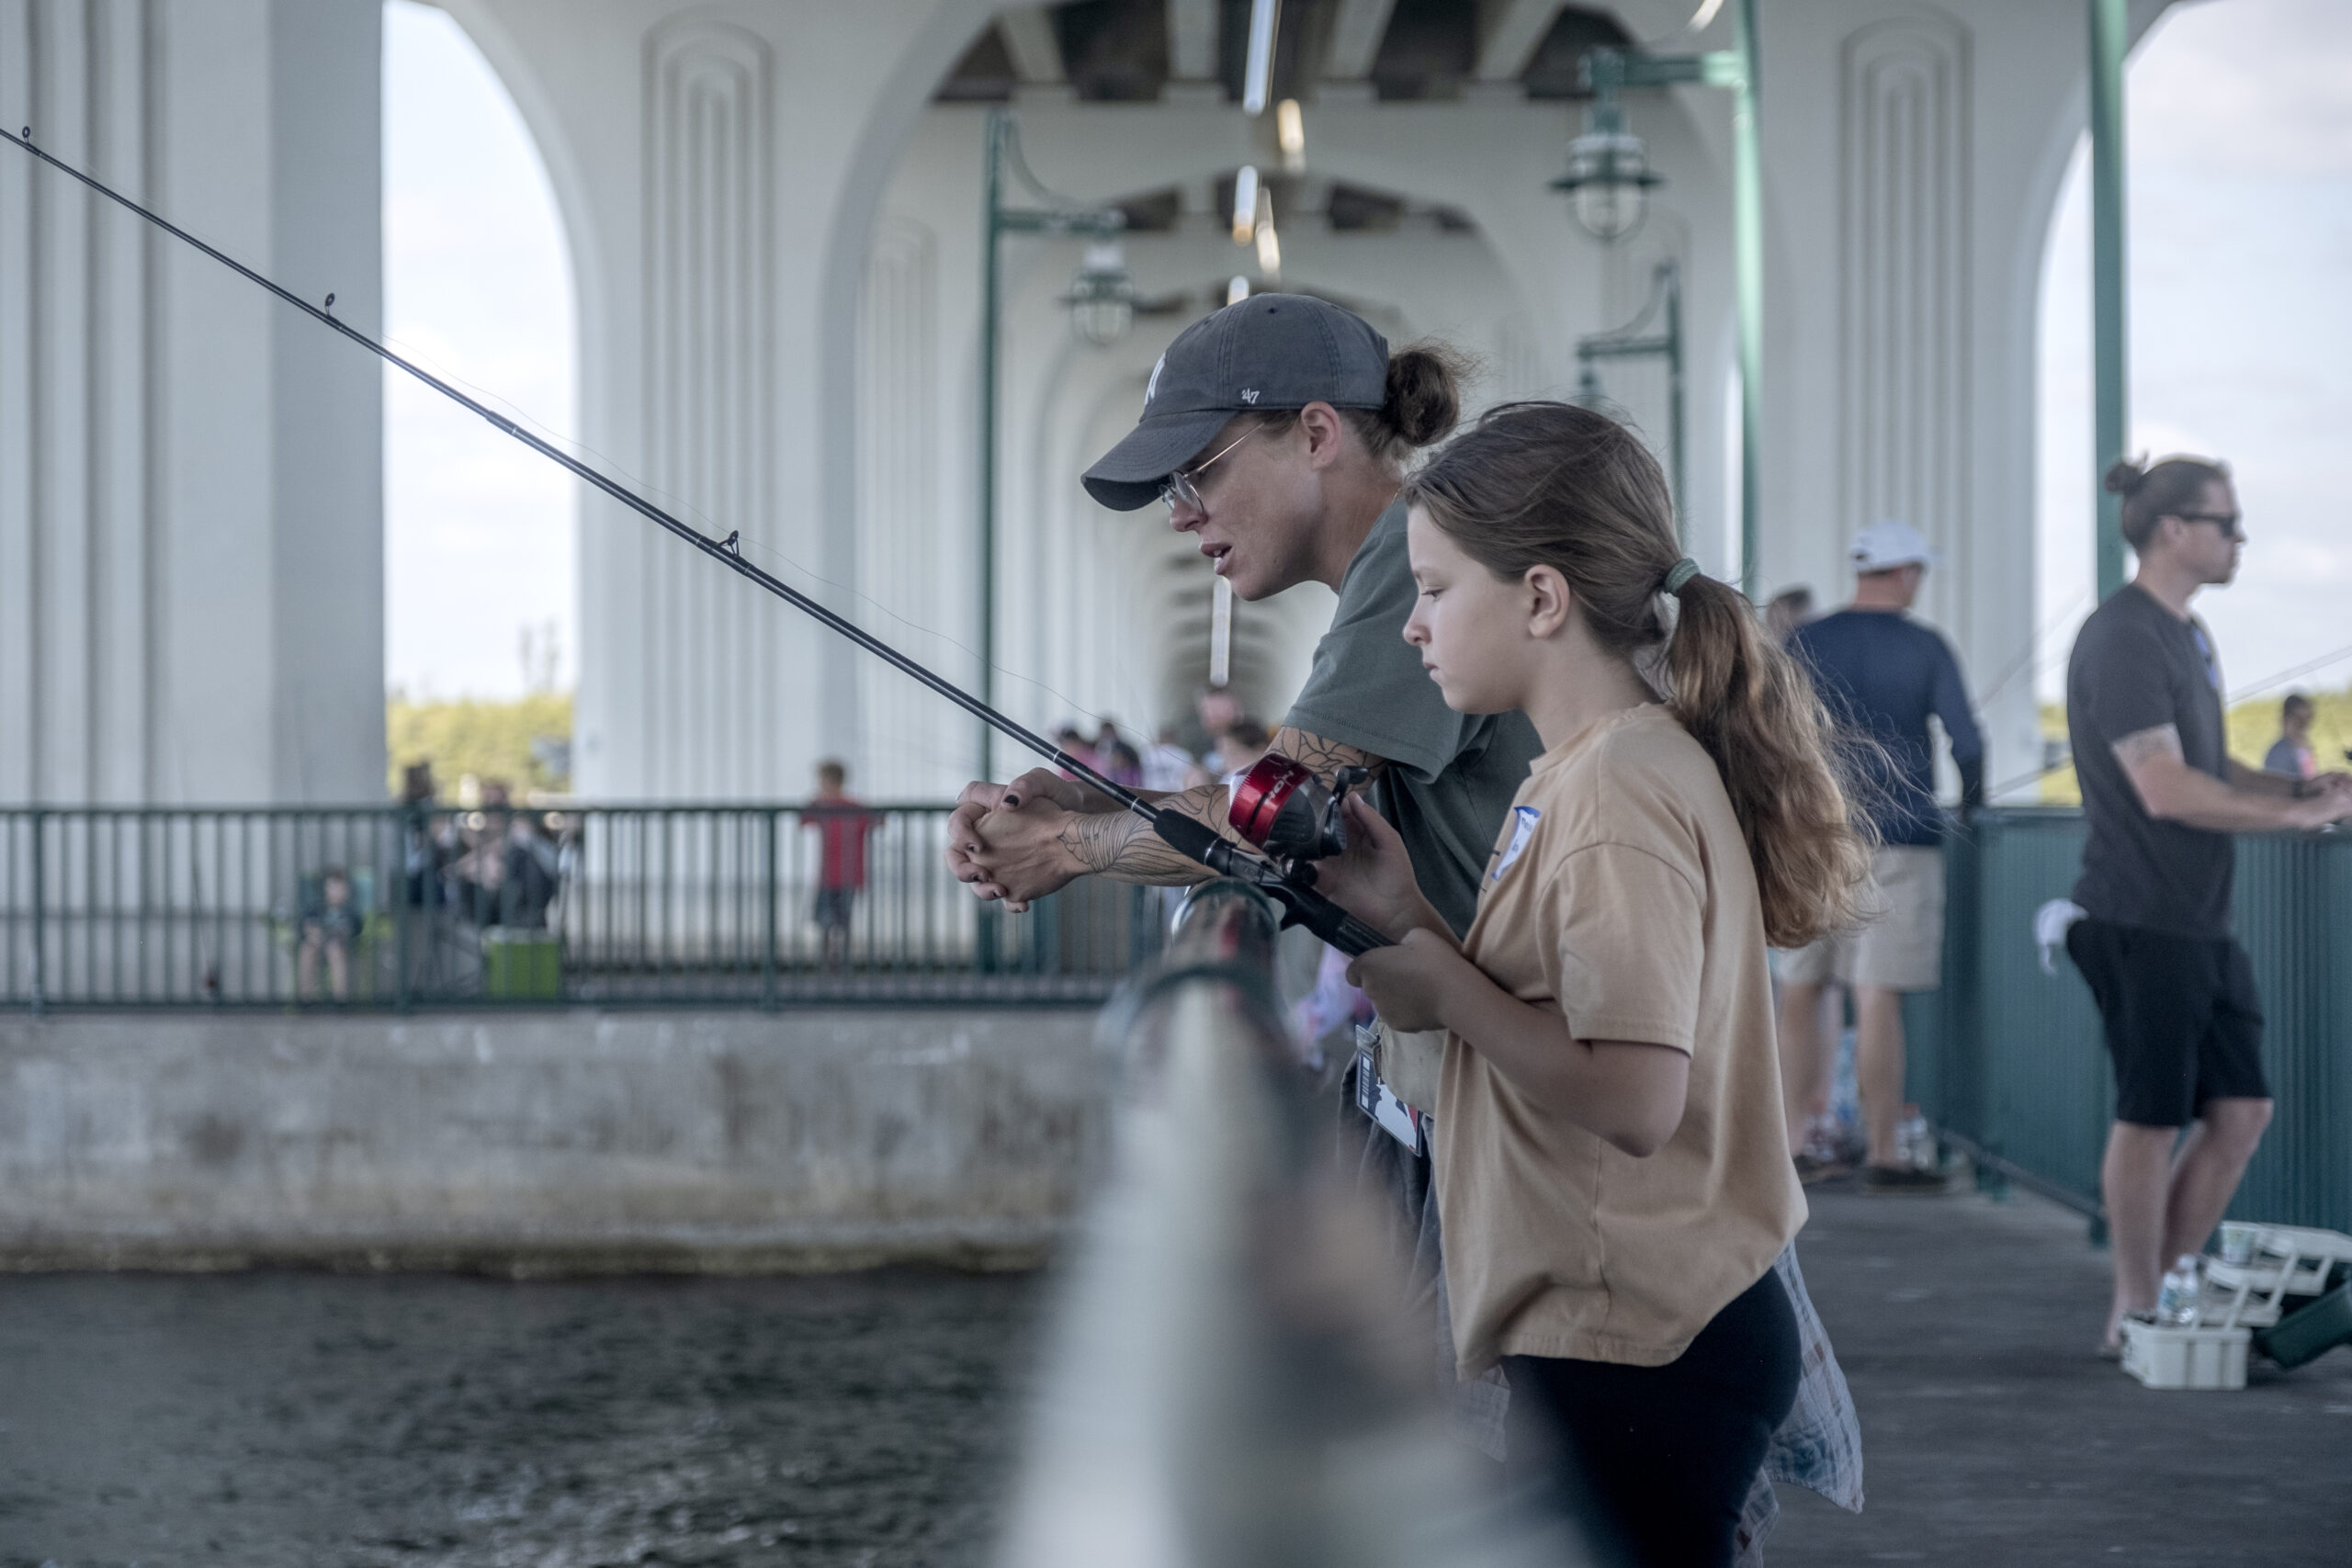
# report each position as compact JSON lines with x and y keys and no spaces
{"x":1270,"y":350}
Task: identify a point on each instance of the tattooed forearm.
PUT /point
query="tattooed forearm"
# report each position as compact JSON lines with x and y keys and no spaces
{"x":1121,"y":845}
{"x":1324,"y":757}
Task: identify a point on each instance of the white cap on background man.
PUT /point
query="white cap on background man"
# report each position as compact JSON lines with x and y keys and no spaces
{"x":1886,"y":544}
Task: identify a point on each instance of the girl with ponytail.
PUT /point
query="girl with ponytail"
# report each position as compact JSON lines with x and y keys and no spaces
{"x":1612,"y":1168}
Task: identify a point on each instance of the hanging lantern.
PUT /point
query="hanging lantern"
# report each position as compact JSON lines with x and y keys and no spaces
{"x":1101,"y":297}
{"x":1609,"y":179}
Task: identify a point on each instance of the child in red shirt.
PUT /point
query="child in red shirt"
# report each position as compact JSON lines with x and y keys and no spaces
{"x":841,"y":823}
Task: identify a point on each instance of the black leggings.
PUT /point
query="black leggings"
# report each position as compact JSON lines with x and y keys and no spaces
{"x":1656,"y":1461}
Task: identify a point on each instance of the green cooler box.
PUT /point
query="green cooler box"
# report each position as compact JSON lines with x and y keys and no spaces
{"x":522,"y":966}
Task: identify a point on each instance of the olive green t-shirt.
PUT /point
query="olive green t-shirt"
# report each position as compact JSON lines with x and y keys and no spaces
{"x":1451,"y":775}
{"x":1621,"y":898}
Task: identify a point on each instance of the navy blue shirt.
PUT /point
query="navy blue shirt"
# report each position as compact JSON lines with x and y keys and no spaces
{"x":1883,"y":673}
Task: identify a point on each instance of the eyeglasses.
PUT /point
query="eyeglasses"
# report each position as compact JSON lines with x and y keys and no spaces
{"x":1184,"y":483}
{"x":2227,"y":522}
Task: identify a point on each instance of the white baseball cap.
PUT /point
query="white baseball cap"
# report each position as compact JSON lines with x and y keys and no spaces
{"x":1886,"y":544}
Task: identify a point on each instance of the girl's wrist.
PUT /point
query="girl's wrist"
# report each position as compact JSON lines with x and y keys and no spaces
{"x":1416,"y":914}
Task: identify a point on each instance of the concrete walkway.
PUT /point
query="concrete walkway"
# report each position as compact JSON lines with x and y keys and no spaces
{"x":1993,"y":1435}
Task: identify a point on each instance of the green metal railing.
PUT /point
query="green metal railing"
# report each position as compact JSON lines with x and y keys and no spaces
{"x":2012,"y":1059}
{"x":585,"y":905}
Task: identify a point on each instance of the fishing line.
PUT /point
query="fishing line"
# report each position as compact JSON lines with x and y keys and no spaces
{"x":1196,"y":841}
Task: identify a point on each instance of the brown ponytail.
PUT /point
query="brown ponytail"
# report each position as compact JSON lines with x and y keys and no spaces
{"x":1556,"y":485}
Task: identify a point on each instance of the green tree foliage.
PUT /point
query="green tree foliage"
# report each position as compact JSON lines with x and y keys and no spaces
{"x":488,"y":739}
{"x":2254,"y":725}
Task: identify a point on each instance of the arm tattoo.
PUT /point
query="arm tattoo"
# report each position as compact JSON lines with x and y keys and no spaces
{"x":2146,"y":745}
{"x":1121,"y":845}
{"x":1324,"y":757}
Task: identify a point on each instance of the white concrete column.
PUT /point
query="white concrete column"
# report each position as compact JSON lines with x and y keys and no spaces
{"x":1911,"y":159}
{"x":190,"y":489}
{"x":720,"y":171}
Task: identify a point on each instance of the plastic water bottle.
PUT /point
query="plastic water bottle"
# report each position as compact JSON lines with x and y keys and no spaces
{"x":2176,"y":1298}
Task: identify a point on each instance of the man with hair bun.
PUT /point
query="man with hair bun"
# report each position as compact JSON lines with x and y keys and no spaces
{"x":2161,"y":796}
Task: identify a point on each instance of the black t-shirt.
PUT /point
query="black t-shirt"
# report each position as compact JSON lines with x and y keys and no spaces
{"x":2138,"y":666}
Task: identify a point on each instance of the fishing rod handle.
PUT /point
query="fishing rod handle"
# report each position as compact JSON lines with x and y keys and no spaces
{"x":1198,"y":841}
{"x":1354,"y":937}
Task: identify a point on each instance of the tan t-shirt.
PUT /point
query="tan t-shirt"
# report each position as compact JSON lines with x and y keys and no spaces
{"x":1621,"y":896}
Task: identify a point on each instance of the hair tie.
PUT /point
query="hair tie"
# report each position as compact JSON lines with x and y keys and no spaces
{"x":1679,"y":573}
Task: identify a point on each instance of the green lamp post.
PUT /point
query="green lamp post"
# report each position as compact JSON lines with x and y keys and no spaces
{"x":2110,"y":343}
{"x":1609,"y":178}
{"x":1656,"y":333}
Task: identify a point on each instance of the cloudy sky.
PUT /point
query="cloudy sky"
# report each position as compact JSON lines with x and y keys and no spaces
{"x":2240,"y":140}
{"x":2240,"y":209}
{"x":478,"y":531}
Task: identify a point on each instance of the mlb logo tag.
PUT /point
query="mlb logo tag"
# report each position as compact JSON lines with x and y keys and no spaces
{"x":1151,"y":387}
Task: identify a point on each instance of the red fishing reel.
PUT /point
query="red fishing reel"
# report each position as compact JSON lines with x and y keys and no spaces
{"x":1282,"y":808}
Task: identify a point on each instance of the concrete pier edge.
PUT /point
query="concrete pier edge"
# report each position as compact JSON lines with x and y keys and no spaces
{"x":546,"y":1146}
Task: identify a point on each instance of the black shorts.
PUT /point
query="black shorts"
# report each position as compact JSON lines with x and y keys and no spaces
{"x":833,"y":907}
{"x":2184,"y":1022}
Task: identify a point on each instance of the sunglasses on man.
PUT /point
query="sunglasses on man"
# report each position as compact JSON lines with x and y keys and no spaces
{"x":2227,"y":522}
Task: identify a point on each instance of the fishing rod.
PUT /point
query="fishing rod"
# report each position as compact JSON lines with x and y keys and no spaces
{"x":1291,"y":886}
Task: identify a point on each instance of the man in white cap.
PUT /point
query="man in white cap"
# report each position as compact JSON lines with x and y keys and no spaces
{"x":1883,"y":673}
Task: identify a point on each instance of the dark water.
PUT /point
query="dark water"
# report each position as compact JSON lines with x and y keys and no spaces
{"x":863,"y":1421}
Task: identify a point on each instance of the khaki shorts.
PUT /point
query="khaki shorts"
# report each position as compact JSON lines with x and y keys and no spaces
{"x":1898,"y":948}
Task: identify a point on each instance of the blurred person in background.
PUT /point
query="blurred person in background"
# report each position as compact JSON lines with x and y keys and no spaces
{"x":842,"y":825}
{"x":429,"y":843}
{"x":1070,"y":741}
{"x":1882,"y":675}
{"x":330,"y":928}
{"x":1167,"y":766}
{"x":478,"y":875}
{"x":2290,"y":754}
{"x":1244,"y":744}
{"x":1786,"y":610}
{"x":532,"y":871}
{"x":1216,"y":708}
{"x":1116,"y":758}
{"x":2161,"y":798}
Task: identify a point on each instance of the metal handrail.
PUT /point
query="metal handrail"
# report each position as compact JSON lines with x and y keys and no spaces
{"x":1239,"y":1376}
{"x":528,"y":906}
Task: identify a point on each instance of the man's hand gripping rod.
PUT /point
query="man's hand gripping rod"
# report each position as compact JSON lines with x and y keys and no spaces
{"x":1302,"y":905}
